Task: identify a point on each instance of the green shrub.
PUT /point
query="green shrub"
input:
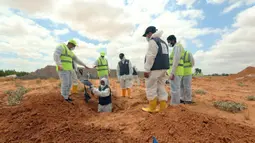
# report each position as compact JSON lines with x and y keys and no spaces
{"x":15,"y":96}
{"x":251,"y":98}
{"x":200,"y":91}
{"x":229,"y":106}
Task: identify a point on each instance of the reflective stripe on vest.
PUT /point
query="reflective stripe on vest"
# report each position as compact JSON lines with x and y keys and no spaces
{"x":66,"y":58}
{"x":102,"y":67}
{"x":180,"y":69}
{"x":187,"y":64}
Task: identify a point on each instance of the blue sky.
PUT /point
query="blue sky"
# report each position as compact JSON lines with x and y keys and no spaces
{"x":110,"y":32}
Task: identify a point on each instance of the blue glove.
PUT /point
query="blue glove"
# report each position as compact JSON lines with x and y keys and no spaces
{"x":88,"y":83}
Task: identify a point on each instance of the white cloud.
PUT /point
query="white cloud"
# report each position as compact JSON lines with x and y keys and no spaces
{"x":100,"y":20}
{"x":233,"y":6}
{"x":198,"y":43}
{"x":61,"y":31}
{"x":235,"y":51}
{"x":188,"y":3}
{"x":215,"y":1}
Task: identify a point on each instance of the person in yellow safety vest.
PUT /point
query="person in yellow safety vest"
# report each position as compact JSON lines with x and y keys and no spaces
{"x":102,"y":67}
{"x":176,"y":70}
{"x":63,"y":57}
{"x":186,"y":91}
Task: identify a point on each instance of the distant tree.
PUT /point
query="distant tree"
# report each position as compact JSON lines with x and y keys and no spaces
{"x":2,"y":73}
{"x":198,"y":71}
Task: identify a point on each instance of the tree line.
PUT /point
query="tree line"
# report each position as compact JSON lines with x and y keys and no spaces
{"x":198,"y":71}
{"x":12,"y":72}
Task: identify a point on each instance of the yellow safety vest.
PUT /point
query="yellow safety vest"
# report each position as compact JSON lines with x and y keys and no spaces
{"x":66,"y":58}
{"x":102,"y":67}
{"x":187,"y":64}
{"x":180,"y":70}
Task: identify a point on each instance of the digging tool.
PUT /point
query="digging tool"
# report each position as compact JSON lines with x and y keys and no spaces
{"x":86,"y":95}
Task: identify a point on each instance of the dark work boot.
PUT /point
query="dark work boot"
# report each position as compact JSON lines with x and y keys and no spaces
{"x":182,"y":102}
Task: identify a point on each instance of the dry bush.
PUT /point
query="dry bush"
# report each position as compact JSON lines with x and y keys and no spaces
{"x":52,"y":79}
{"x":38,"y":81}
{"x":251,"y":98}
{"x":200,"y":91}
{"x":15,"y":96}
{"x":229,"y":106}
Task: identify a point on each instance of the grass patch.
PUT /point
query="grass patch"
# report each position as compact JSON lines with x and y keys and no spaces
{"x":15,"y":96}
{"x":200,"y":91}
{"x":241,"y":84}
{"x":251,"y":98}
{"x":229,"y":106}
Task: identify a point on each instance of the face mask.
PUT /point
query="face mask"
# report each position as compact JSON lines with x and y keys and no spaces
{"x":72,"y":48}
{"x":148,"y":39}
{"x":170,"y":45}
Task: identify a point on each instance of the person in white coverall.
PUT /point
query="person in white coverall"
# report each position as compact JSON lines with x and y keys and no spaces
{"x":124,"y":74}
{"x":176,"y":70}
{"x":63,"y":57}
{"x":104,"y":93}
{"x":135,"y":76}
{"x":156,"y":66}
{"x":186,"y":91}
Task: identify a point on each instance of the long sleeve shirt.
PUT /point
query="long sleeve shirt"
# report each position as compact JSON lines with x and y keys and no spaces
{"x":58,"y":53}
{"x":103,"y":93}
{"x":191,"y":59}
{"x":177,"y":56}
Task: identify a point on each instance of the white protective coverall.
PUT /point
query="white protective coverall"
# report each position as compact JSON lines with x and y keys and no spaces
{"x":176,"y":83}
{"x":65,"y":76}
{"x":125,"y":80}
{"x":186,"y":90}
{"x":104,"y":93}
{"x":155,"y":84}
{"x":136,"y":77}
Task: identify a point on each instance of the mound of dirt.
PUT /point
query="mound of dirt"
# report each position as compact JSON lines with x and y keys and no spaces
{"x":47,"y":118}
{"x":246,"y":72}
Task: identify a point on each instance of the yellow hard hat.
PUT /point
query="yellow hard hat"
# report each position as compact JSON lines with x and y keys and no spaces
{"x":73,"y":42}
{"x":102,"y":53}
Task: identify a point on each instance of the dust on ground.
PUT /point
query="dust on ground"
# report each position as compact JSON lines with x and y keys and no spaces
{"x":43,"y":116}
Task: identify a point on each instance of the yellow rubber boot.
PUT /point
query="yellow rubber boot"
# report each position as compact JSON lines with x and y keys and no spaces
{"x":162,"y":105}
{"x":74,"y":89}
{"x":129,"y":92}
{"x":123,"y":92}
{"x":152,"y":106}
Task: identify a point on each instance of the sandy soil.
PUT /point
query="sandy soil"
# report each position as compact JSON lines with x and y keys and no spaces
{"x":43,"y":116}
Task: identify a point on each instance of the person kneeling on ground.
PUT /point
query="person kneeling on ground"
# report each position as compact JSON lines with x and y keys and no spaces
{"x":104,"y":93}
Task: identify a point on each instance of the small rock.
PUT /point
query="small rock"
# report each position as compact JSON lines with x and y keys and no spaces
{"x":171,"y":131}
